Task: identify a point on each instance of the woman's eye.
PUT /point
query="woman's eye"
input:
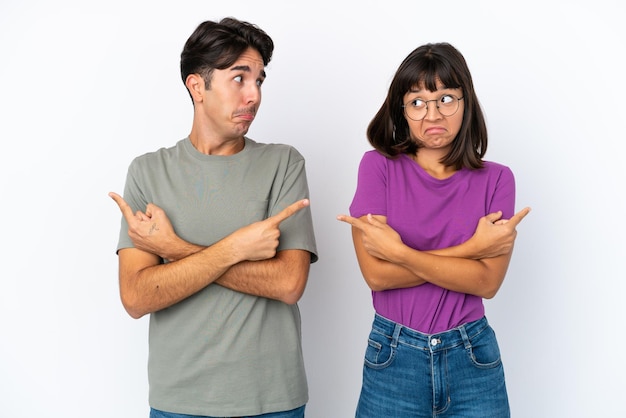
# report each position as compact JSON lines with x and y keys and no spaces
{"x":418,"y":103}
{"x":447,"y":99}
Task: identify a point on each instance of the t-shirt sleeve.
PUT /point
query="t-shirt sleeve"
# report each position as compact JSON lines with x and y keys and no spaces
{"x":133,"y":196}
{"x":371,"y":189}
{"x":297,"y":230}
{"x":504,"y":193}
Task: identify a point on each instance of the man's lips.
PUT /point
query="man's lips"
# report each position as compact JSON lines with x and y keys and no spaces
{"x":249,"y":116}
{"x":246,"y":116}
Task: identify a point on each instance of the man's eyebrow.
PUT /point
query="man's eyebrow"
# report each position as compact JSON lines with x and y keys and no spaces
{"x":246,"y":68}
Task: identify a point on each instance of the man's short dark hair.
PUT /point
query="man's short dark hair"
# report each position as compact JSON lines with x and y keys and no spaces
{"x":217,"y":45}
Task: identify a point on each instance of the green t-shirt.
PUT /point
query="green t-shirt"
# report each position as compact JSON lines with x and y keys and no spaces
{"x":221,"y":352}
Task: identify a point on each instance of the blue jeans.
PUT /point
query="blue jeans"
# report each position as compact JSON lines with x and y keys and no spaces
{"x":294,"y":413}
{"x":456,"y":373}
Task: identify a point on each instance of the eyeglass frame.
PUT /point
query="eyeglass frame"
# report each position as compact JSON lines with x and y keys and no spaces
{"x":458,"y":99}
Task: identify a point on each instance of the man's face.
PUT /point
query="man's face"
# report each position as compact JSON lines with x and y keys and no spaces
{"x":234,"y":97}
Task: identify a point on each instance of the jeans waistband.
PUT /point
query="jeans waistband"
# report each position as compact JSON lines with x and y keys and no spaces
{"x":461,"y":335}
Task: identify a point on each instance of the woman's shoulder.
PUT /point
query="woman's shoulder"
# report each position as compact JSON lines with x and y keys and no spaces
{"x":376,"y":157}
{"x":495,"y":167}
{"x":496,"y":170}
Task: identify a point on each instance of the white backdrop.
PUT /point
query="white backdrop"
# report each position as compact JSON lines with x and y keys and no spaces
{"x":87,"y":86}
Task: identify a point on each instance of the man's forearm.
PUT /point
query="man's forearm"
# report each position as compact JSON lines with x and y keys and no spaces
{"x":282,"y":277}
{"x":181,"y":250}
{"x":147,"y":286}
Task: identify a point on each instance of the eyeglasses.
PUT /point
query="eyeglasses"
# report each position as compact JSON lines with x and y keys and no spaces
{"x":416,"y":109}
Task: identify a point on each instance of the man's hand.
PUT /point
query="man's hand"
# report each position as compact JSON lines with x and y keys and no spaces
{"x":150,"y":231}
{"x":259,"y":240}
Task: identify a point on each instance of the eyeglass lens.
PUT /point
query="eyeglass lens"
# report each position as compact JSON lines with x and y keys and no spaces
{"x":447,"y":105}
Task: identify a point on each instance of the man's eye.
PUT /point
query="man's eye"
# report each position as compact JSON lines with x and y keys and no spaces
{"x":238,"y":79}
{"x":259,"y":82}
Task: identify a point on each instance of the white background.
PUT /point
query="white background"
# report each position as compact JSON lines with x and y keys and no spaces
{"x":87,"y":86}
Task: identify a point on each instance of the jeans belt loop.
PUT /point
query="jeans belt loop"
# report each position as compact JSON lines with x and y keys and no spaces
{"x":466,"y":340}
{"x":396,"y":335}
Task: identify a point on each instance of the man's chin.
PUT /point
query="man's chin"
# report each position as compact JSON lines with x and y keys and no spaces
{"x":243,"y":128}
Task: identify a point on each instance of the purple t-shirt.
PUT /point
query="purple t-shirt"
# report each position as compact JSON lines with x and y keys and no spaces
{"x":429,"y":214}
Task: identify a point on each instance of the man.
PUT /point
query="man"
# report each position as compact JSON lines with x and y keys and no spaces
{"x":216,"y":243}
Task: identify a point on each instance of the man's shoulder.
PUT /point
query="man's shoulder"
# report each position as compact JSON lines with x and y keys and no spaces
{"x":266,"y":145}
{"x":159,"y":153}
{"x":272,"y":148}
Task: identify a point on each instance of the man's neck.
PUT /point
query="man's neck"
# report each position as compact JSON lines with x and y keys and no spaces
{"x":213,"y":145}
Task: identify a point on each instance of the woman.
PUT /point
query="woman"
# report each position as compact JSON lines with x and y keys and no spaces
{"x":429,"y":220}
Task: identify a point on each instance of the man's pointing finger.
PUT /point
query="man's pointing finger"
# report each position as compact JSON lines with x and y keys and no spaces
{"x":289,"y":210}
{"x":124,"y":207}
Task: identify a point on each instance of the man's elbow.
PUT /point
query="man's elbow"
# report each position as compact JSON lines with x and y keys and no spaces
{"x":134,"y":313}
{"x":132,"y":307}
{"x":293,"y":289}
{"x":292,"y":294}
{"x":291,"y":298}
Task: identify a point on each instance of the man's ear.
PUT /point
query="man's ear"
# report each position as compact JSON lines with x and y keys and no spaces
{"x":195,"y":85}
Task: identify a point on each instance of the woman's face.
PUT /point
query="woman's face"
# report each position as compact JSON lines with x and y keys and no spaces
{"x":434,"y":117}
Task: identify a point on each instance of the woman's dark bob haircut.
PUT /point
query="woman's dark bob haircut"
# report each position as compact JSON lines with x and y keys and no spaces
{"x":388,"y":132}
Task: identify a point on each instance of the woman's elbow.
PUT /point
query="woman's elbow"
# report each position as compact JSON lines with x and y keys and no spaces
{"x":491,"y":288}
{"x":489,"y":294}
{"x":492,"y":279}
{"x":375,"y":283}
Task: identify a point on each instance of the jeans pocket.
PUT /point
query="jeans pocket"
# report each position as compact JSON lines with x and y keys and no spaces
{"x":379,"y":353}
{"x":484,"y":351}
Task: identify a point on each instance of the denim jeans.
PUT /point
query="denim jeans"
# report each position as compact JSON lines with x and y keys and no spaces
{"x":294,"y":413}
{"x":456,"y":373}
